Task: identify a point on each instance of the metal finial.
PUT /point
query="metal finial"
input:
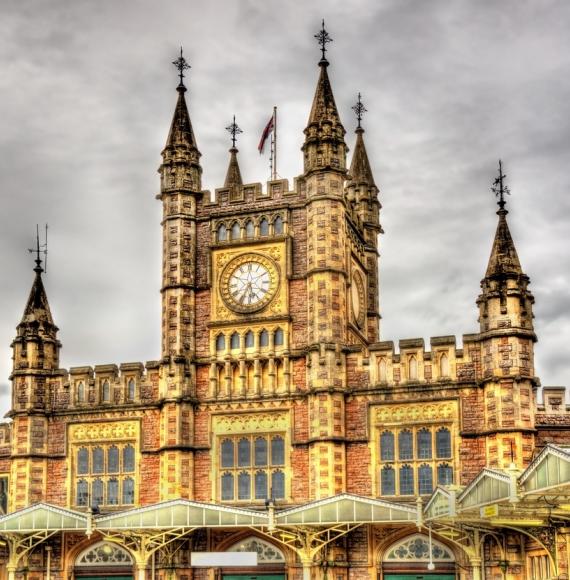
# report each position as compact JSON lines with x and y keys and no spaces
{"x":39,"y":250}
{"x":323,"y":38}
{"x":181,"y":64}
{"x":359,"y":109}
{"x":234,"y":131}
{"x":499,"y":188}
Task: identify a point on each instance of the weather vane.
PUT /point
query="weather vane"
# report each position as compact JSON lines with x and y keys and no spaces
{"x":234,"y":131}
{"x":323,"y":38}
{"x":39,"y":250}
{"x":181,"y":64}
{"x":359,"y":110}
{"x":499,"y":188}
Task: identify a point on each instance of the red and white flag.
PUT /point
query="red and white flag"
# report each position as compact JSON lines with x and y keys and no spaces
{"x":265,"y":134}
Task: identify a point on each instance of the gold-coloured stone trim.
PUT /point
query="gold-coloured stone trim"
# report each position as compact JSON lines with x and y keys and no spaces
{"x":403,"y":413}
{"x":119,"y":430}
{"x":250,"y":423}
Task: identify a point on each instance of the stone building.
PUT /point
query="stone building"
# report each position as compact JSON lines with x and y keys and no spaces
{"x":275,"y":420}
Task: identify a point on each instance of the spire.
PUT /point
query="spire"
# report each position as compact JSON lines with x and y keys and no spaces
{"x":324,"y":125}
{"x":233,"y":176}
{"x":360,"y":171}
{"x":504,"y":258}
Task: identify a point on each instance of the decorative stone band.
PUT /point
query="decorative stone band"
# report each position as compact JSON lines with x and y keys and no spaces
{"x":264,"y":422}
{"x":402,"y":413}
{"x":108,"y":431}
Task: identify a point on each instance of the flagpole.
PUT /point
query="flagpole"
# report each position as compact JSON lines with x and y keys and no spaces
{"x":274,"y":176}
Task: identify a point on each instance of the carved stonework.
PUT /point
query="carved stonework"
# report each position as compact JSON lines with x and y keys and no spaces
{"x":104,"y":554}
{"x":251,"y":423}
{"x":416,"y":412}
{"x":266,"y":553}
{"x":117,"y":430}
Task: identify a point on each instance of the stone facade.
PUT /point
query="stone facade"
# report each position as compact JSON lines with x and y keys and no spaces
{"x":287,"y":356}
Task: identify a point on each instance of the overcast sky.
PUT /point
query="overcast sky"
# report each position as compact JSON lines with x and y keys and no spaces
{"x":87,"y":93}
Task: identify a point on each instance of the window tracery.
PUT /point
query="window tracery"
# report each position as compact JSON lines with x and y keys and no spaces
{"x":416,"y":548}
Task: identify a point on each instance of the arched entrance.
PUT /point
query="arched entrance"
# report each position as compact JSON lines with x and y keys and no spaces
{"x":408,"y":559}
{"x":270,"y":561}
{"x":104,"y":561}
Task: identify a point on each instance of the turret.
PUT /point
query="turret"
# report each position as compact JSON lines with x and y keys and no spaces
{"x":507,"y":345}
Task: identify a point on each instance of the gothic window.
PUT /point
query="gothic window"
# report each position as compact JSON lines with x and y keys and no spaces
{"x":222,"y":233}
{"x":249,"y":339}
{"x":278,"y":225}
{"x":249,"y":229}
{"x":220,"y":342}
{"x":131,"y":390}
{"x":444,"y":366}
{"x":424,"y":444}
{"x":407,"y":457}
{"x":388,"y":480}
{"x":234,"y":341}
{"x":425,"y":479}
{"x":103,"y":554}
{"x":444,"y":474}
{"x":417,"y":548}
{"x":405,"y":445}
{"x":252,"y":467}
{"x":443,"y":443}
{"x":266,"y":553}
{"x":3,"y":494}
{"x":82,"y":461}
{"x":387,"y":446}
{"x":97,"y":459}
{"x":113,"y":459}
{"x":382,"y":376}
{"x":82,"y":493}
{"x":113,"y":491}
{"x":413,"y":369}
{"x":406,"y":480}
{"x":106,"y":392}
{"x":263,"y":227}
{"x":81,"y":392}
{"x":236,"y":231}
{"x":97,"y":492}
{"x":264,"y":338}
{"x":128,"y":491}
{"x":128,"y":458}
{"x":278,"y":337}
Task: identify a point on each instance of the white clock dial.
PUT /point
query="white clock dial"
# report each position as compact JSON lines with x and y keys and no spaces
{"x":249,"y":283}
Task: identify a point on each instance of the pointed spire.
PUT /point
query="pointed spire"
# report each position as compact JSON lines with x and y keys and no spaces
{"x":233,"y":176}
{"x":360,"y":171}
{"x":324,"y":106}
{"x":504,"y":258}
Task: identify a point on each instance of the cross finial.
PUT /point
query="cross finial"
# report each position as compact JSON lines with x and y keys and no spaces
{"x":359,"y":110}
{"x":39,"y":250}
{"x":500,"y":189}
{"x":181,"y":64}
{"x":323,"y":38}
{"x":234,"y":131}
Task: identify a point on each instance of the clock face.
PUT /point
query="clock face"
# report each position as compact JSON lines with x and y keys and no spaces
{"x":249,"y":282}
{"x":357,"y":298}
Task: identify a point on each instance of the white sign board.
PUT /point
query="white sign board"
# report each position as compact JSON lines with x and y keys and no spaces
{"x":209,"y":559}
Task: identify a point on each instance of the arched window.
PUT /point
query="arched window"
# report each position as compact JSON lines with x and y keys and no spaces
{"x":260,"y":452}
{"x":81,"y":392}
{"x":387,"y":446}
{"x":113,"y":491}
{"x":264,"y":338}
{"x":382,"y":375}
{"x":278,"y":225}
{"x":244,"y":453}
{"x":222,"y":233}
{"x":97,"y":492}
{"x":128,"y":490}
{"x":128,"y":458}
{"x":103,"y":554}
{"x":388,"y":480}
{"x":266,"y":553}
{"x":444,"y":474}
{"x":234,"y":341}
{"x":82,"y":493}
{"x":413,"y":369}
{"x":278,"y":484}
{"x":405,"y":445}
{"x":443,"y":444}
{"x":220,"y":342}
{"x":278,"y":337}
{"x":227,"y":449}
{"x":417,"y":548}
{"x":277,"y":451}
{"x":82,"y":461}
{"x":425,"y":480}
{"x":249,"y":229}
{"x":260,"y":485}
{"x":98,"y":460}
{"x":249,"y":339}
{"x":424,"y":444}
{"x":106,"y":391}
{"x":227,"y":486}
{"x":263,"y":227}
{"x":236,"y":231}
{"x":244,"y":485}
{"x":131,"y":390}
{"x":443,"y":366}
{"x":406,"y":480}
{"x":113,"y":459}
